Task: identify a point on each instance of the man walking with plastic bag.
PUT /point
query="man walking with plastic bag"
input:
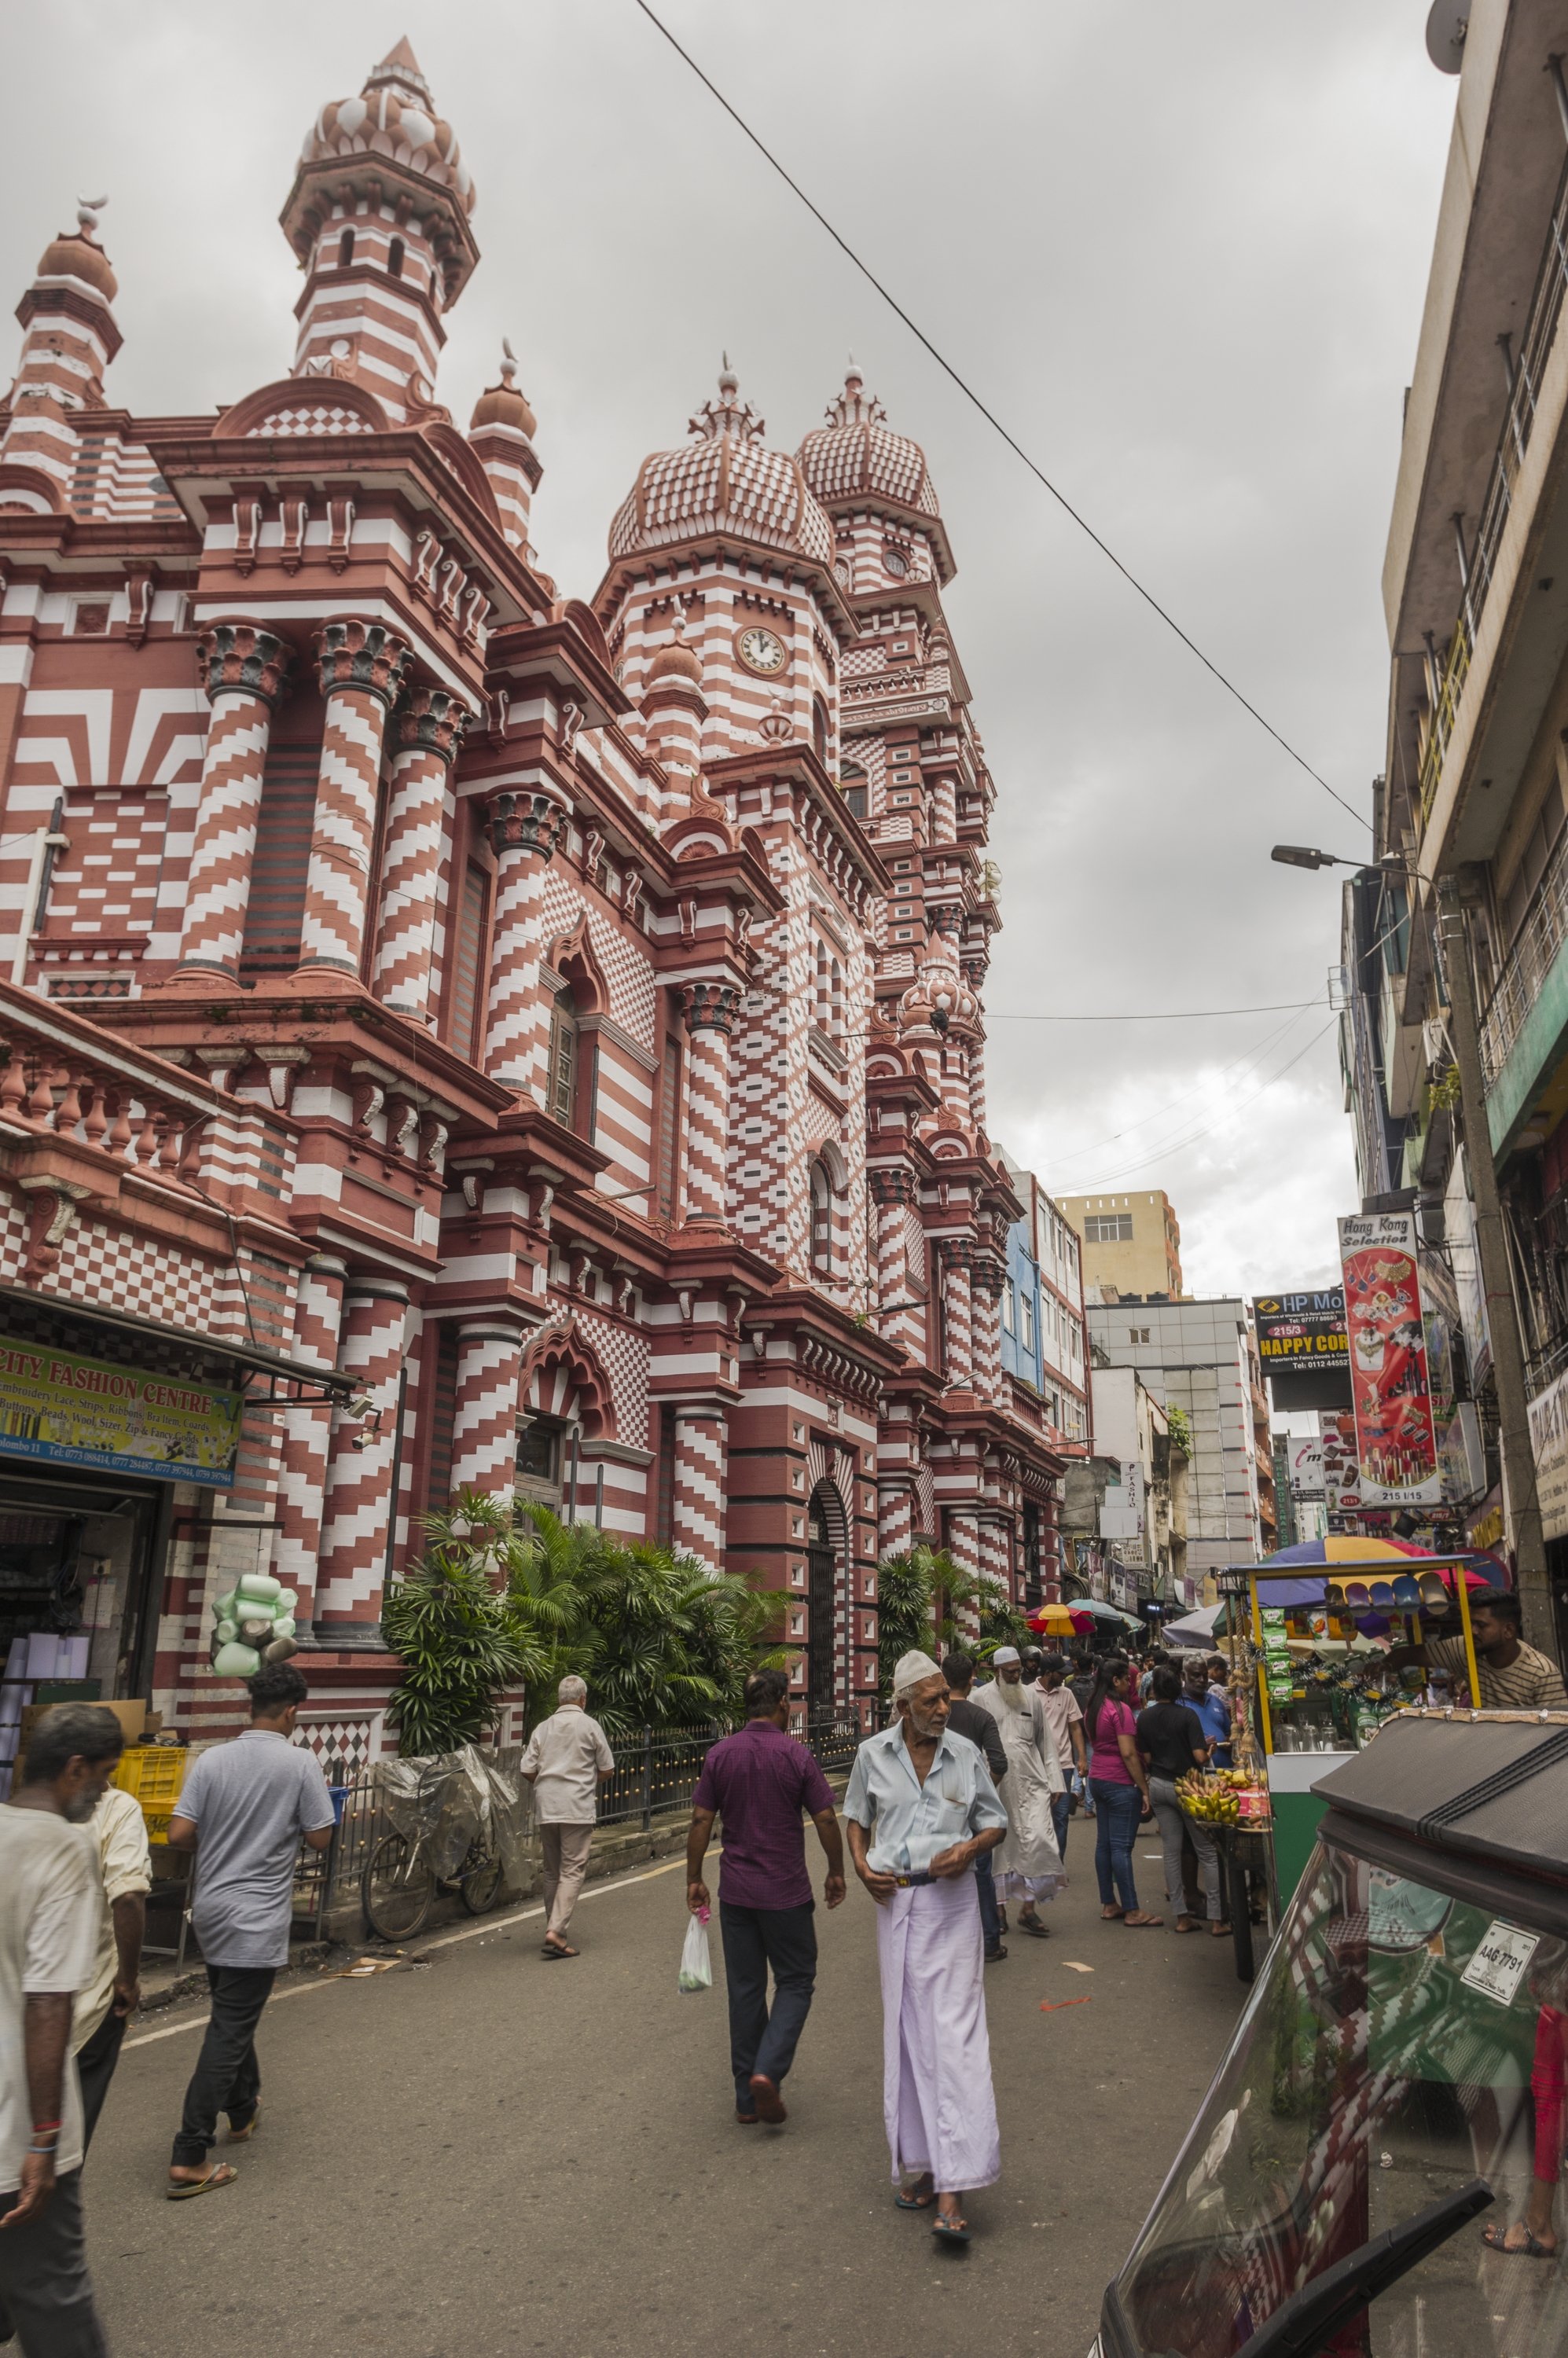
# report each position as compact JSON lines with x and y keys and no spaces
{"x":568,"y":1758}
{"x":758,"y":1781}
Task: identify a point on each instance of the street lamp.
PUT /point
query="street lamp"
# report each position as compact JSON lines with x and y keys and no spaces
{"x":1516,"y":1451}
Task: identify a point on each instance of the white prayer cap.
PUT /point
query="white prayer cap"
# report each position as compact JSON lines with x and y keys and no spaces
{"x":1006,"y":1654}
{"x":913,"y":1671}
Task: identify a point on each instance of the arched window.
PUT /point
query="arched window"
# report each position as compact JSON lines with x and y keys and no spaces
{"x":345,"y":249}
{"x":853,"y":782}
{"x":836,"y":999}
{"x":560,"y":1098}
{"x":394,"y":258}
{"x":822,"y":993}
{"x":819,"y":729}
{"x":821,"y":1218}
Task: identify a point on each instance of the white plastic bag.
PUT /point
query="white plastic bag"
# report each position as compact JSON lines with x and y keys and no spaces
{"x":695,"y":1965}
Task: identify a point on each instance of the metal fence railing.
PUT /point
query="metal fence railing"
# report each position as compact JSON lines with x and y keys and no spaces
{"x":1534,"y":952}
{"x":654,"y":1777}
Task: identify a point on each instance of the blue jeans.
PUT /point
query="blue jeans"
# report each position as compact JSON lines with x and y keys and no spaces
{"x":985,"y":1885}
{"x":1117,"y":1809}
{"x":755,"y":1938}
{"x":1061,"y":1812}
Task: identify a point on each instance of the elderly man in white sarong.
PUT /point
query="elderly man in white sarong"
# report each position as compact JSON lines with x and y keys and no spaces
{"x":1028,"y":1867}
{"x":921,"y":1808}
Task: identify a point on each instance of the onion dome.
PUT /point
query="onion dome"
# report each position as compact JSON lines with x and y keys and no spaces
{"x":503,"y":404}
{"x":79,"y":255}
{"x":394,"y":116}
{"x":675,"y":661}
{"x":857,"y":460}
{"x":725,"y":480}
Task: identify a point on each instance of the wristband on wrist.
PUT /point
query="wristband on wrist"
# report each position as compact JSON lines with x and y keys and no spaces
{"x":49,"y":2149}
{"x":41,"y":2128}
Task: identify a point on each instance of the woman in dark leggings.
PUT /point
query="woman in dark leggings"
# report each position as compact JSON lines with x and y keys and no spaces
{"x":1119,"y":1784}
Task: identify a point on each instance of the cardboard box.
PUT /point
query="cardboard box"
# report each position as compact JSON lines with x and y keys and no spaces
{"x":136,"y":1720}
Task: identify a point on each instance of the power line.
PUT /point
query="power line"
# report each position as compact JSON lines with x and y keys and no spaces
{"x":992,"y":420}
{"x":1234,"y":1074}
{"x":1163,"y":1014}
{"x":1181,"y":1145}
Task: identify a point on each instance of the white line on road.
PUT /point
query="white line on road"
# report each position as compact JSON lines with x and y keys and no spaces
{"x":442,"y":1941}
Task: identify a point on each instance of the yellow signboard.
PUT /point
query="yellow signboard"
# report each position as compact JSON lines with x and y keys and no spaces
{"x":89,"y":1412}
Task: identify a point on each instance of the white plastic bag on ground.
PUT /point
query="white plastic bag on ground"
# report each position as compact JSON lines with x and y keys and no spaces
{"x":695,"y":1965}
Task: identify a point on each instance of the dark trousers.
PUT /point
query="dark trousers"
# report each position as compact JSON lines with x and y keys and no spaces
{"x":755,"y":1938}
{"x":1061,"y":1815}
{"x":227,"y":2078}
{"x":45,"y":2293}
{"x":1117,"y":1809}
{"x":95,"y":2068}
{"x":985,"y":1885}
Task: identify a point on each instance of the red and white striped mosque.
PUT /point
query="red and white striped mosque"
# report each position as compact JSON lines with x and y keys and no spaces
{"x":456,"y":1033}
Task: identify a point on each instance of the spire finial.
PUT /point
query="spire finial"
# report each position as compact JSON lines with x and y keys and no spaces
{"x":728,"y":413}
{"x":87,"y":211}
{"x":508,"y":360}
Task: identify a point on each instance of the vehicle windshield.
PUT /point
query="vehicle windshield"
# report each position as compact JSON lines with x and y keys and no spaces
{"x":1399,"y":2044}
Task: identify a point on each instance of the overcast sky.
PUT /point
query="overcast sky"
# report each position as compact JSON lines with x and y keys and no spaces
{"x":1180,"y":252}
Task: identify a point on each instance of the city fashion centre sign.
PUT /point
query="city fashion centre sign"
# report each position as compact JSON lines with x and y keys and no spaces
{"x":69,"y":1410}
{"x":1302,"y":1331}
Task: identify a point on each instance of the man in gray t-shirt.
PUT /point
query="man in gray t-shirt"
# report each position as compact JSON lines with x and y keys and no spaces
{"x":243,"y":1811}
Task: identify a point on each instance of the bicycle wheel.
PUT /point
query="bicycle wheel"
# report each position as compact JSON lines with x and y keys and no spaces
{"x":479,"y":1882}
{"x":396,"y":1889}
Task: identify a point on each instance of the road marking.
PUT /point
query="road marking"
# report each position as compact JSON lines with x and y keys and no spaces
{"x":443,"y":1941}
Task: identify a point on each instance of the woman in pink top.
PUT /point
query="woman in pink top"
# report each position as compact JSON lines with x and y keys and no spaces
{"x":1119,"y":1784}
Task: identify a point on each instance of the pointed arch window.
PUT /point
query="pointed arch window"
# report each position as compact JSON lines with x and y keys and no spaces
{"x":345,"y":249}
{"x":394,"y":258}
{"x":565,"y":1041}
{"x":821,"y":1218}
{"x":819,"y":729}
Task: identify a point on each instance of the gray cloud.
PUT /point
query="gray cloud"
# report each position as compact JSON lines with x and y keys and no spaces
{"x":1183,"y":252}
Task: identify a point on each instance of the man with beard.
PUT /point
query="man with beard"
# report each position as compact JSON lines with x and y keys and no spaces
{"x":50,"y":1906}
{"x":1029,"y":1863}
{"x":919,"y":1811}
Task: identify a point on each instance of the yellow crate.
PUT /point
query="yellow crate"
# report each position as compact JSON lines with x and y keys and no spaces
{"x":155,"y":1773}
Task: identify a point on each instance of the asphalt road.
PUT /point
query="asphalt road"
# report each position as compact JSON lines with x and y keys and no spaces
{"x":487,"y":2154}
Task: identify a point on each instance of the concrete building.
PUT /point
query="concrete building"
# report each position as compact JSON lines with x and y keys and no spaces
{"x":1197,"y":1356}
{"x":1130,"y":1242}
{"x":511,"y":1040}
{"x":1043,"y":1351}
{"x":1143,"y":1505}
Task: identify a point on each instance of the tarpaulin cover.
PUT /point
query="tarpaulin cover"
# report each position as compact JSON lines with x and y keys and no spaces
{"x":439,"y":1803}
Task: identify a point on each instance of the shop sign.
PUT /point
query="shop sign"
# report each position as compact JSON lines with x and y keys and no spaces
{"x":70,"y":1410}
{"x":1304,"y":1332}
{"x":1341,"y":1473}
{"x":1547,"y":1414}
{"x":1396,"y":1439}
{"x":1306,"y":1468}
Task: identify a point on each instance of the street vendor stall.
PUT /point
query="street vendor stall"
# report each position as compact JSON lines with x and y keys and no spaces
{"x":1375,"y":2168}
{"x":1310,"y":1662}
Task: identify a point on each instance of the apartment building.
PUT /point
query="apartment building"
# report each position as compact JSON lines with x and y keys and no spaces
{"x":1130,"y":1242}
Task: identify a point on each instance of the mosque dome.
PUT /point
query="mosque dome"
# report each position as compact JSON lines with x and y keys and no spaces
{"x":76,"y":254}
{"x":394,"y":116}
{"x":724,"y":481}
{"x":675,"y":661}
{"x":503,"y":404}
{"x":857,"y":456}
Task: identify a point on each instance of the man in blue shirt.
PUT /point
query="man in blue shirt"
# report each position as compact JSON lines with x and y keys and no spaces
{"x":921,"y":1808}
{"x":1210,"y":1702}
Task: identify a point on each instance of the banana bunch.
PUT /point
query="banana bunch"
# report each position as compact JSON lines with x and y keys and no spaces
{"x":1212,"y":1799}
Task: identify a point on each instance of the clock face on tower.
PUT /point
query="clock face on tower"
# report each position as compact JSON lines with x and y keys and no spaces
{"x":760,"y":651}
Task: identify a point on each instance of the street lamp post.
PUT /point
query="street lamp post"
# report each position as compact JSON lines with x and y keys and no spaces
{"x":1521,"y":1498}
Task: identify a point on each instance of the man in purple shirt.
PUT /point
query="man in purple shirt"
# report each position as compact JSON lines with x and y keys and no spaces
{"x":759,"y":1780}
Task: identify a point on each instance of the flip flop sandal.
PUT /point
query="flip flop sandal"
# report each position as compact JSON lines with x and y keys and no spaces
{"x":910,"y":2197}
{"x":552,"y":1950}
{"x":187,"y":2189}
{"x":244,"y":2136}
{"x":950,"y":2231}
{"x":1531,"y":2249}
{"x":1110,"y":1915}
{"x":1035,"y":1931}
{"x":1141,"y":1923}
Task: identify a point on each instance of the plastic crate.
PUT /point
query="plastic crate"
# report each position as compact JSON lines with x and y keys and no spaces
{"x":155,"y":1773}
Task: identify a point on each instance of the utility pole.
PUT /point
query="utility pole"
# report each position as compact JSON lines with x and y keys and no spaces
{"x":1521,"y":1504}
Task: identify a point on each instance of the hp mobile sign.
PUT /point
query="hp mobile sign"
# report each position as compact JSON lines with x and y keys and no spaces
{"x":1396,"y":1440}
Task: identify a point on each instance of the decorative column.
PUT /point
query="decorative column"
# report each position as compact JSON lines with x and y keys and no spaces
{"x":307,"y":1436}
{"x":484,"y":1429}
{"x":243,"y":668}
{"x":709,"y":1009}
{"x":957,"y":1308}
{"x":524,"y":831}
{"x":430,"y":731}
{"x":988,"y":1277}
{"x":359,"y":1510}
{"x":891,"y":1192}
{"x":362,"y":666}
{"x":702,"y":1453}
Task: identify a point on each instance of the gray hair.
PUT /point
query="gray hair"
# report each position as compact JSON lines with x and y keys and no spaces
{"x":572,"y":1690}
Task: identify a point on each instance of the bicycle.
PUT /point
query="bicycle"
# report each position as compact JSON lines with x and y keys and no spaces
{"x":399,"y":1884}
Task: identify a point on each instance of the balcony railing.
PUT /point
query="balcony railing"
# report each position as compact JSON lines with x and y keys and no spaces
{"x":1540,"y":941}
{"x":1477,"y":562}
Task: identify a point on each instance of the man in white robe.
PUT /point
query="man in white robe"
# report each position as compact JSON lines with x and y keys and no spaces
{"x":1028,"y":1867}
{"x":920,"y":1809}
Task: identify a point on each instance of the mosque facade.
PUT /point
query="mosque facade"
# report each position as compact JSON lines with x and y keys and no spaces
{"x":504,"y":1039}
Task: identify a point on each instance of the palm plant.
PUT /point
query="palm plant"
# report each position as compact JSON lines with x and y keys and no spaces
{"x":450,"y":1623}
{"x":1000,"y":1624}
{"x":918,"y":1596}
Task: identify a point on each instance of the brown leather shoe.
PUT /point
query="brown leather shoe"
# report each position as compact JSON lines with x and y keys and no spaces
{"x":765,"y":2096}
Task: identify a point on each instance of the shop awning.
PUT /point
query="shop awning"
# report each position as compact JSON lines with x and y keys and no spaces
{"x":23,"y":1311}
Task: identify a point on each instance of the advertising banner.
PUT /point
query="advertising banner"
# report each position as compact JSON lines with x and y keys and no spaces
{"x":1306,"y":1467}
{"x":89,"y":1412}
{"x":1547,"y":1414}
{"x":1302,"y":1331}
{"x":1341,"y":1472}
{"x":1396,"y":1439}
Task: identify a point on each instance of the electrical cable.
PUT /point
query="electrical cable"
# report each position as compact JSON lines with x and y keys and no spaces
{"x":1253,"y":1057}
{"x":992,"y":420}
{"x":1180,"y":1147}
{"x":1166,"y":1014}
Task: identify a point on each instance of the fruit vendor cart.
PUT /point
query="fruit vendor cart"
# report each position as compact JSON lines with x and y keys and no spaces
{"x":1312,"y":1672}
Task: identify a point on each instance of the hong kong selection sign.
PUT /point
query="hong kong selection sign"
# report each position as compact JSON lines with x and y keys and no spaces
{"x":1396,"y":1440}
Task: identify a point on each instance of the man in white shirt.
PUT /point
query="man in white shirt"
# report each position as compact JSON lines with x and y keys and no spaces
{"x":119,"y":1836}
{"x":566,"y":1758}
{"x":48,"y":1939}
